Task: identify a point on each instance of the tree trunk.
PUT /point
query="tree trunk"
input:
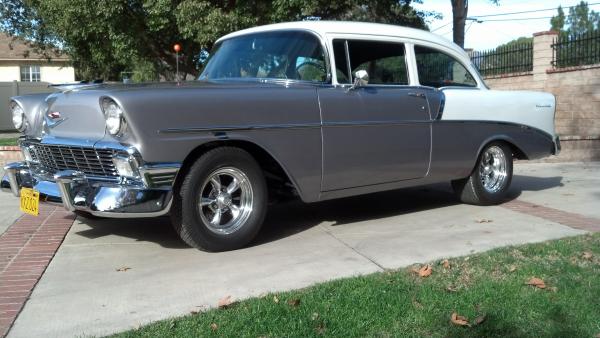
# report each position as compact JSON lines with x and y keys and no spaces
{"x":459,"y":17}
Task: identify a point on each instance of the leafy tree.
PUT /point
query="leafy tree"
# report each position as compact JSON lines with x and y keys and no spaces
{"x":558,"y":22}
{"x":460,"y":8}
{"x":108,"y":37}
{"x":579,"y":21}
{"x":579,"y":34}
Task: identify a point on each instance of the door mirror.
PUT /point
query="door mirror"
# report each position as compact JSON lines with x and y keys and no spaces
{"x":361,"y":79}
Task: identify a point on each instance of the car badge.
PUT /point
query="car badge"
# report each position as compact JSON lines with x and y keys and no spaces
{"x":53,"y":119}
{"x":54,"y":115}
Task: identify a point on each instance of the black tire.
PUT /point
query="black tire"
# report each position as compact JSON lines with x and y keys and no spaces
{"x":186,"y":215}
{"x":471,"y":190}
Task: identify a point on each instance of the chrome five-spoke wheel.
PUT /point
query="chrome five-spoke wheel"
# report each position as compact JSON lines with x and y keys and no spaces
{"x":492,"y":169}
{"x":222,"y":201}
{"x":490,"y":179}
{"x":226,"y":200}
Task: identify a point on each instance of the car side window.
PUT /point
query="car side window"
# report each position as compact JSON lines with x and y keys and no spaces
{"x":438,"y":69}
{"x":385,"y":62}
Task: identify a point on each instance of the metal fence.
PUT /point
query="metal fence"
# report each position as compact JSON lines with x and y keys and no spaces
{"x":576,"y":50}
{"x":516,"y":58}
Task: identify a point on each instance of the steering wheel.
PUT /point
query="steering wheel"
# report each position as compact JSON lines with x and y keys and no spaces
{"x":311,"y":63}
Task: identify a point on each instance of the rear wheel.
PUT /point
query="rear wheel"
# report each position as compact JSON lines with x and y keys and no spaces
{"x":490,"y":180}
{"x":222,"y":201}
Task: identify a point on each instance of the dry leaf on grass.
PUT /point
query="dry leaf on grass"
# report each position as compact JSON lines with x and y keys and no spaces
{"x":587,"y":255}
{"x":123,"y":269}
{"x":459,"y":320}
{"x":512,"y":268}
{"x":225,"y":302}
{"x":479,"y":320}
{"x":425,"y":271}
{"x":320,"y":329}
{"x":214,"y":326}
{"x":417,"y":304}
{"x":537,"y":282}
{"x":484,"y":220}
{"x":451,"y":288}
{"x":275,"y":299}
{"x":446,"y":264}
{"x":293,"y":302}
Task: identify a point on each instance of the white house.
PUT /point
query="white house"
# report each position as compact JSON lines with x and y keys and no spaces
{"x":19,"y":62}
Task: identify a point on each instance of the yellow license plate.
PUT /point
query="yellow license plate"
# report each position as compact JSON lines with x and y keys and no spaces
{"x":30,"y":201}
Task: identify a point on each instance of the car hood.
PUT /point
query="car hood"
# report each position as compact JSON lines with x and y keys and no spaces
{"x":75,"y":111}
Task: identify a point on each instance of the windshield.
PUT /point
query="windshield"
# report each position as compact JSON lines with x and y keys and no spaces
{"x":270,"y":55}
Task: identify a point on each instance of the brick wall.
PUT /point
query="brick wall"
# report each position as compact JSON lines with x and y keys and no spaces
{"x":577,"y":92}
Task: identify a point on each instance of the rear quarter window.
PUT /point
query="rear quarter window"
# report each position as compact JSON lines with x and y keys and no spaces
{"x":438,"y":69}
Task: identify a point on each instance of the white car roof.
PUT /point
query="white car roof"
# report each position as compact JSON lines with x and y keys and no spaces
{"x":348,"y":27}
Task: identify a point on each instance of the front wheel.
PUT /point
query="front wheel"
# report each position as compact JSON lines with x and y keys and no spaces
{"x":222,"y":201}
{"x":490,"y":179}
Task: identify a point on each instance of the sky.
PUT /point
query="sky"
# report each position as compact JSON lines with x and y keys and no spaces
{"x":487,"y":35}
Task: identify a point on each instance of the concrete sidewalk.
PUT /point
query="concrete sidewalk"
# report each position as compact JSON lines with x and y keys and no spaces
{"x":82,"y":293}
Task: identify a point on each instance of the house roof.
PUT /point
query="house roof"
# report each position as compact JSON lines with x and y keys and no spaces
{"x":16,"y":49}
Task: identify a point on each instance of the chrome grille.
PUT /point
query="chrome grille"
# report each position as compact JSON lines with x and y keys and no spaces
{"x":95,"y":162}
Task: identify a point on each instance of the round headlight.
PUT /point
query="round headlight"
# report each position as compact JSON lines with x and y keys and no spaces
{"x":18,"y":117}
{"x":113,"y":115}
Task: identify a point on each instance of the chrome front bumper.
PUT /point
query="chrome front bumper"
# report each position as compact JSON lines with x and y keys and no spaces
{"x":100,"y":198}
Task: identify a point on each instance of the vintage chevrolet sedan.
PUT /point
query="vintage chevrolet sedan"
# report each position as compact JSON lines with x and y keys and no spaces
{"x":318,"y":110}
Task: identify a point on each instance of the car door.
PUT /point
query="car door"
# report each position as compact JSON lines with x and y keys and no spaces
{"x":378,"y":133}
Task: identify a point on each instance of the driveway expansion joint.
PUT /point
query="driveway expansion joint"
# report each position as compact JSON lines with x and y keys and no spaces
{"x":379,"y":266}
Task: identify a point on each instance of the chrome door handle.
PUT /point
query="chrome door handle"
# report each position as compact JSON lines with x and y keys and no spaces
{"x":416,"y":94}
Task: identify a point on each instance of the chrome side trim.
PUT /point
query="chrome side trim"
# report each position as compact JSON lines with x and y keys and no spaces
{"x":234,"y":128}
{"x":288,"y":126}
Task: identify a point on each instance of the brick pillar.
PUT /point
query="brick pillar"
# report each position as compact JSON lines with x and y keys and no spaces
{"x":542,"y":57}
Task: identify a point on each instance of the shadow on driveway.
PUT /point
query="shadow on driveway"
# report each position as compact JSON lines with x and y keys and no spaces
{"x":290,"y":218}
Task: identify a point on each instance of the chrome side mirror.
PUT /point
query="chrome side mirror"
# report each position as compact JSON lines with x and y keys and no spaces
{"x":361,"y":79}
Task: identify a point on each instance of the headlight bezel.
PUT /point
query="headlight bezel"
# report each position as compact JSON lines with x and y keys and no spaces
{"x":114,"y":118}
{"x":22,"y":126}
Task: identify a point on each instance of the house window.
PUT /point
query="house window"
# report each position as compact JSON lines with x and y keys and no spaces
{"x":30,"y":73}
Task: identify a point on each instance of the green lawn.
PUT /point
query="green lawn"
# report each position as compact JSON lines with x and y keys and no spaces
{"x":12,"y":141}
{"x":399,"y":303}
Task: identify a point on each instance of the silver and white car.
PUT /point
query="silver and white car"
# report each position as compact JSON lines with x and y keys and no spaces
{"x":318,"y":110}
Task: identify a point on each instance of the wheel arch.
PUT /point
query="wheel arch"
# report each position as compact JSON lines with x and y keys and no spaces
{"x":275,"y":171}
{"x":518,"y":153}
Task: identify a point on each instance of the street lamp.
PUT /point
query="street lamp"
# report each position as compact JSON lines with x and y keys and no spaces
{"x":177,"y":49}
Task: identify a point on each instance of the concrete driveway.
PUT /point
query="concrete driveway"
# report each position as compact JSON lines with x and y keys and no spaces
{"x":83,"y":293}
